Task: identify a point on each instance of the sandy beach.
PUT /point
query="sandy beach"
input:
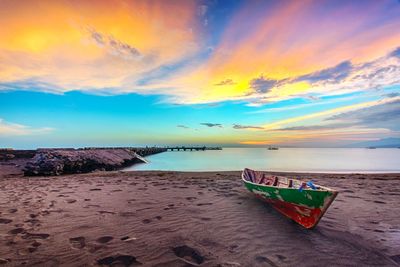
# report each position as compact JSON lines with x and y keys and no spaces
{"x":190,"y":219}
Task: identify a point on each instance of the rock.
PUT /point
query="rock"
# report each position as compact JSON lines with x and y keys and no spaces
{"x":10,"y":156}
{"x":69,"y":161}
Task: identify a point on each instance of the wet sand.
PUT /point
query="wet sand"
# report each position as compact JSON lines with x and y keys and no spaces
{"x":190,"y":219}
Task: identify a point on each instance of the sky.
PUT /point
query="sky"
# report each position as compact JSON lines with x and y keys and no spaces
{"x":229,"y":73}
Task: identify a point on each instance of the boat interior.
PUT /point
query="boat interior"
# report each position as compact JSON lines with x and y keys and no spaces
{"x":262,"y":178}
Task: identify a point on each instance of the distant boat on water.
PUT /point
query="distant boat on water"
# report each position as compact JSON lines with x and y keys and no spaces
{"x":273,"y":148}
{"x":305,"y":203}
{"x":371,"y":147}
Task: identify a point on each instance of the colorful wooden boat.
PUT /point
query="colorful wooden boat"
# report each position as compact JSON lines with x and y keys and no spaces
{"x":305,"y":203}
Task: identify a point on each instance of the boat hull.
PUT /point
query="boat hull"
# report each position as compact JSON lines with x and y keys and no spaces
{"x":305,"y":207}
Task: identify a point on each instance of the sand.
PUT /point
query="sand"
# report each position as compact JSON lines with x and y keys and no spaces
{"x":190,"y":219}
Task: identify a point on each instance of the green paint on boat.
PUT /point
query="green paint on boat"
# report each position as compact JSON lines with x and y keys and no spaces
{"x":309,"y":198}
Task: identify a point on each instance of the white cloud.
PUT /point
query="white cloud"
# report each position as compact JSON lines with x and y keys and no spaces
{"x":12,"y":129}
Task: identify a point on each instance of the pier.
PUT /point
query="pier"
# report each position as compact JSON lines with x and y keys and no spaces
{"x":9,"y":153}
{"x":142,"y":151}
{"x":192,"y":148}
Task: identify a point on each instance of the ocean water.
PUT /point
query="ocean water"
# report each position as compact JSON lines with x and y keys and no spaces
{"x":340,"y":160}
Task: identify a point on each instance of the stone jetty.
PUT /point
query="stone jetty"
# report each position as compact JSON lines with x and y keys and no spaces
{"x":57,"y":161}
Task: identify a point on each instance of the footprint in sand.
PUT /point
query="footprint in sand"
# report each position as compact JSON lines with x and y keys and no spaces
{"x":34,"y":246}
{"x":263,"y":260}
{"x":204,"y":204}
{"x":77,"y":242}
{"x":16,"y":231}
{"x":127,"y":214}
{"x":35,"y":236}
{"x":4,"y":261}
{"x":70,"y":200}
{"x":5,"y":221}
{"x":170,"y":206}
{"x":232,"y":248}
{"x":104,"y":239}
{"x":280,"y":257}
{"x":33,"y":222}
{"x":105,"y":212}
{"x":117,"y":260}
{"x":12,"y":210}
{"x":146,"y":221}
{"x":189,"y":254}
{"x":127,"y":238}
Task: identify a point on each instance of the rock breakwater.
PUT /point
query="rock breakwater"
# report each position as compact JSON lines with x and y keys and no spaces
{"x":68,"y":161}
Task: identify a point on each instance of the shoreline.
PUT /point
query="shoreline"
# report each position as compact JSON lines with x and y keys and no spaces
{"x":161,"y":218}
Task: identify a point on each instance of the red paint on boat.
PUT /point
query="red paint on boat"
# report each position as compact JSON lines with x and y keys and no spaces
{"x":307,"y":217}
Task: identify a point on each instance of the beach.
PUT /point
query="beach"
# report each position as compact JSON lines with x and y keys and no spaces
{"x":153,"y":218}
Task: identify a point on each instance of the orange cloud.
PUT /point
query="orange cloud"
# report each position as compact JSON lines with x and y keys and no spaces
{"x":291,"y":39}
{"x":112,"y":46}
{"x":86,"y":44}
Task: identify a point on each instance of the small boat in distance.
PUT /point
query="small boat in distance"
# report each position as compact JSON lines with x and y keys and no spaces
{"x":273,"y":148}
{"x":371,"y":147}
{"x":304,"y":203}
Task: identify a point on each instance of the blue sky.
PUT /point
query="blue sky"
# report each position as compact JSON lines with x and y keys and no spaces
{"x":236,"y":73}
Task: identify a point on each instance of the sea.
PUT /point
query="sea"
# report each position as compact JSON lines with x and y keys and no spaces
{"x":325,"y":160}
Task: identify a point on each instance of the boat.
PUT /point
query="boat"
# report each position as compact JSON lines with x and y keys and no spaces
{"x":303,"y":202}
{"x":273,"y":148}
{"x":371,"y":147}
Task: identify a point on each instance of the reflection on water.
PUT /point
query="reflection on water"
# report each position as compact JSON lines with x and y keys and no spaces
{"x":284,"y":159}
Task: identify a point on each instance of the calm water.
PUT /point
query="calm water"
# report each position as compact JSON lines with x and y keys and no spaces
{"x":284,"y":159}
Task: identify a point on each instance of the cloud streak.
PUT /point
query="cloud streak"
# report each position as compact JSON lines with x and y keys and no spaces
{"x":114,"y":46}
{"x":334,"y":74}
{"x":225,"y":82}
{"x":386,"y":114}
{"x":244,"y":127}
{"x":13,"y":129}
{"x":211,"y":125}
{"x":182,"y":126}
{"x":262,"y":85}
{"x":365,"y":121}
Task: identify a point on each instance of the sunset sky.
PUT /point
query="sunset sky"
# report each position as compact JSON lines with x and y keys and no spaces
{"x":231,"y":73}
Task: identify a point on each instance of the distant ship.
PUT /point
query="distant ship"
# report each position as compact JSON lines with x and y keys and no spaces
{"x":371,"y":147}
{"x":273,"y":148}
